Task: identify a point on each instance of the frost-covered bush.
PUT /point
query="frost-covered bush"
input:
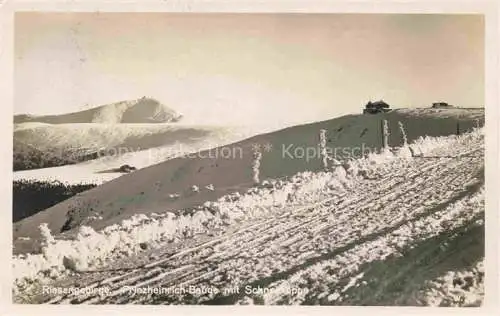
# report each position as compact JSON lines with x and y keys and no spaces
{"x":90,"y":249}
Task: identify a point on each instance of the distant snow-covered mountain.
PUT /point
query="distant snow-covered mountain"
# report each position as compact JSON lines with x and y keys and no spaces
{"x":143,"y":110}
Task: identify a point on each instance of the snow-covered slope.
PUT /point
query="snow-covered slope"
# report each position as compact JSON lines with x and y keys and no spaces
{"x":143,"y":110}
{"x":378,"y":231}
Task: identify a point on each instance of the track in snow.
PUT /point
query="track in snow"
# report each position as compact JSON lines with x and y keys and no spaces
{"x":310,"y":254}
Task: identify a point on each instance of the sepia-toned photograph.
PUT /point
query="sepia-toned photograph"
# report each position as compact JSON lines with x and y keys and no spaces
{"x":197,"y":158}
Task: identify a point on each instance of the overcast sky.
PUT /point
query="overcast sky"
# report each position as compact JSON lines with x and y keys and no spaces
{"x":247,"y":68}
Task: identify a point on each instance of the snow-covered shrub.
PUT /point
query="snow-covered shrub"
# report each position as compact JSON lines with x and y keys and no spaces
{"x":31,"y":197}
{"x":90,"y":249}
{"x":403,"y":152}
{"x":174,"y":196}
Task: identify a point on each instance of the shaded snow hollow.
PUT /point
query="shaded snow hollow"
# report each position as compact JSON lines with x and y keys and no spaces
{"x":166,"y":170}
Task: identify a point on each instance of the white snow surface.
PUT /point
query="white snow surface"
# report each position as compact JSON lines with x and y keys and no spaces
{"x":120,"y":142}
{"x":283,"y":235}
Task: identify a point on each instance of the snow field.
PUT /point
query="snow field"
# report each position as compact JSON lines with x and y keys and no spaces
{"x":90,"y":249}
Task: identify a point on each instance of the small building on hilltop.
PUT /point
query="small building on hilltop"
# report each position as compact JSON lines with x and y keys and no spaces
{"x":376,"y":107}
{"x":441,"y":105}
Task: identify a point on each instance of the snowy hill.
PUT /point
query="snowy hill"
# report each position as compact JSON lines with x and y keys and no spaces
{"x":143,"y":110}
{"x":169,"y":185}
{"x":38,"y":145}
{"x":352,"y":235}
